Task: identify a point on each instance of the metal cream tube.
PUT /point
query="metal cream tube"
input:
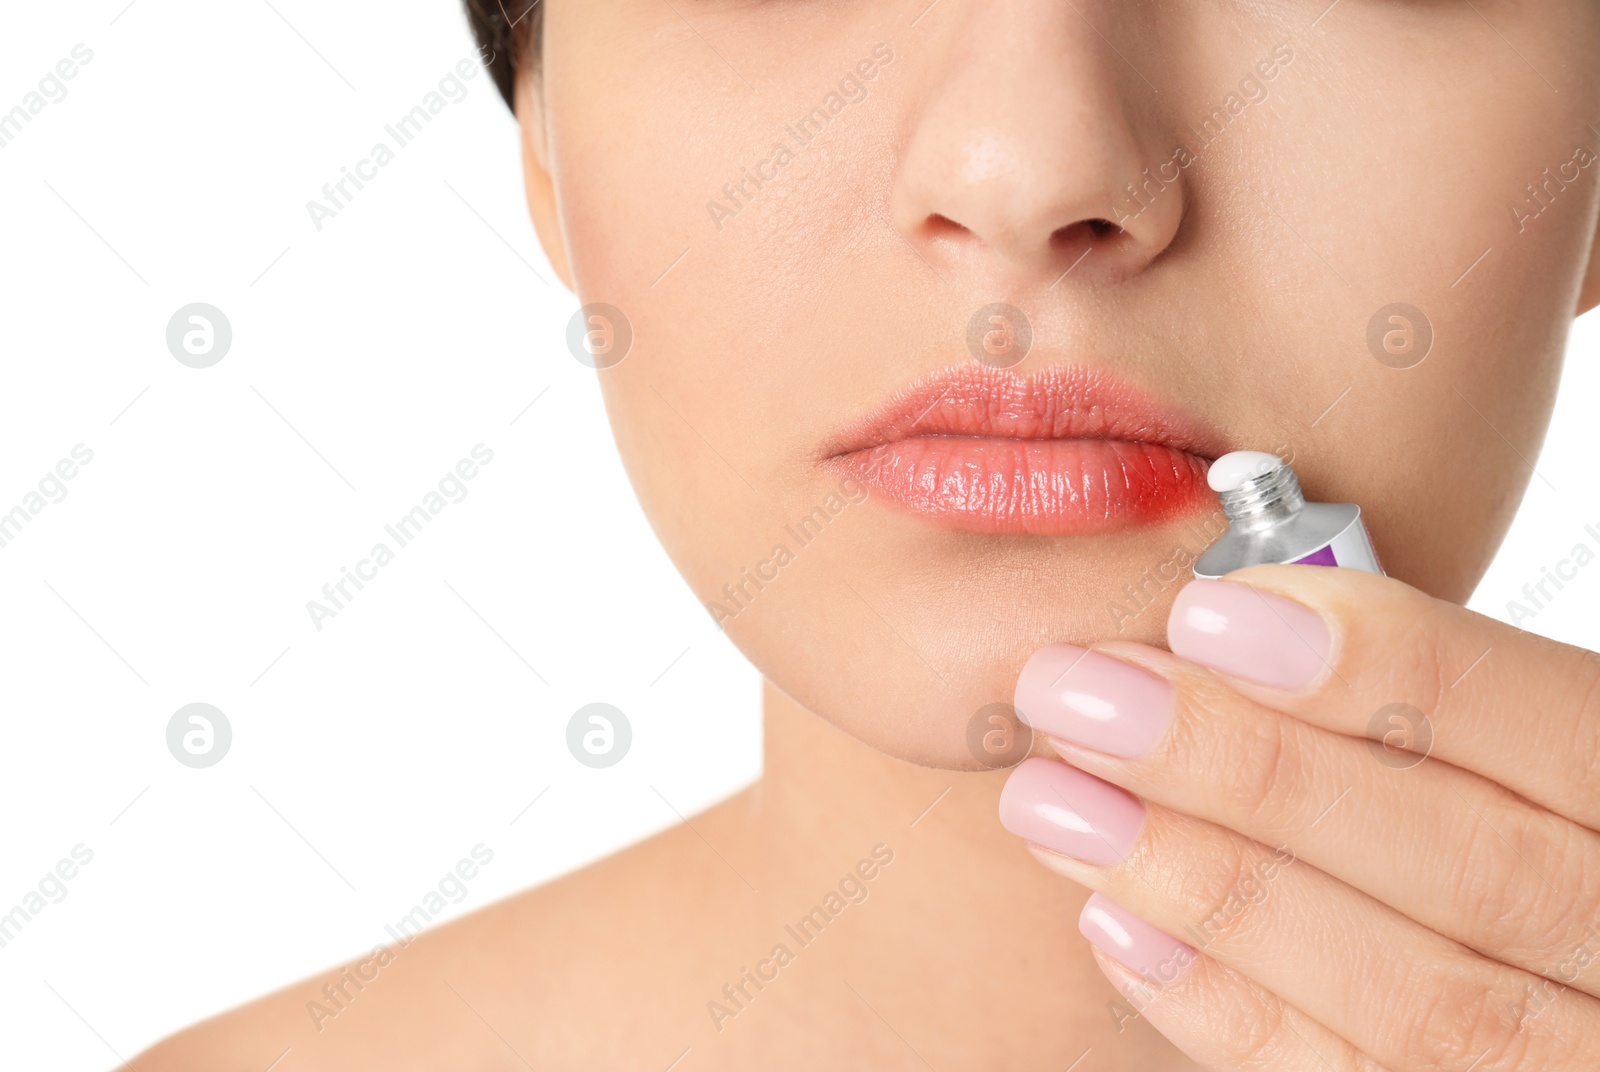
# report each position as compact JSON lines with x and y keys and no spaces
{"x":1270,"y":522}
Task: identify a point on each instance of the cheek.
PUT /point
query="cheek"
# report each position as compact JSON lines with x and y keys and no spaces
{"x":697,"y":208}
{"x":1394,"y":236}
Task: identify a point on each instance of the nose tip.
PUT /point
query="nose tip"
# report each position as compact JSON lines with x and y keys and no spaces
{"x":1037,"y":166}
{"x":1001,"y":208}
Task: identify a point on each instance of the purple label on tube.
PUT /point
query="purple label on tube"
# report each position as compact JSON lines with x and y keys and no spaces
{"x":1323,"y":557}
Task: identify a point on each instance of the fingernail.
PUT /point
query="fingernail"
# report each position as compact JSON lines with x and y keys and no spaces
{"x":1093,"y":700}
{"x":1133,"y":943}
{"x":1250,"y":634}
{"x":1070,"y":812}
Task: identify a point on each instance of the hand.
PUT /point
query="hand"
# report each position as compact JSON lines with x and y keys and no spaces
{"x":1370,"y":815}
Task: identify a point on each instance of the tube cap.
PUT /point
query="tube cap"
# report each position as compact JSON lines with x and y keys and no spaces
{"x":1231,"y":470}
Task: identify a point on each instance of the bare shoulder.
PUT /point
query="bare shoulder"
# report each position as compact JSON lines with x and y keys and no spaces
{"x":606,"y":967}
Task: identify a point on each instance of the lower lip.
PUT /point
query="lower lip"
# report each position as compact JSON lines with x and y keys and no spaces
{"x":1063,"y":487}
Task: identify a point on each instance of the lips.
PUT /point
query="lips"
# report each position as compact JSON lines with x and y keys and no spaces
{"x":1065,"y":451}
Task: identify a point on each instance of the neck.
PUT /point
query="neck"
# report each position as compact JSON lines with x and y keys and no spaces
{"x":831,"y":794}
{"x":963,"y":930}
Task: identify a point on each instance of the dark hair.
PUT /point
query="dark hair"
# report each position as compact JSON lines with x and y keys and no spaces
{"x":506,"y":39}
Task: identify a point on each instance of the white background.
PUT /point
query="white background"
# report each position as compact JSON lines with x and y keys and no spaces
{"x":367,"y":359}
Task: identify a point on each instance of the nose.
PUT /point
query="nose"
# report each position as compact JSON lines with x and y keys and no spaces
{"x":1038,"y":148}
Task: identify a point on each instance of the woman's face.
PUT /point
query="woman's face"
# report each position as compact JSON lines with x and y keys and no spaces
{"x":1194,"y":218}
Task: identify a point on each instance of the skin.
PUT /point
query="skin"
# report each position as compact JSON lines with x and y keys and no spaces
{"x":1377,"y":168}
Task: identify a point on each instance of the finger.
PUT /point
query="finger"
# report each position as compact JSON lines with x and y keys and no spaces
{"x":1340,"y":648}
{"x":1496,"y":873}
{"x":1209,"y":1011}
{"x":1392,"y":988}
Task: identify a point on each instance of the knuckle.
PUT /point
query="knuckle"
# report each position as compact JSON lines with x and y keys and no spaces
{"x":1488,"y":880}
{"x":1465,"y":1020}
{"x":1397,"y":653}
{"x":1261,"y":1037}
{"x":1225,"y":893}
{"x":1559,"y":909}
{"x":1421,"y":658}
{"x":1261,"y":775}
{"x":1526,"y":881}
{"x":1257,"y":763}
{"x":1255,"y":1024}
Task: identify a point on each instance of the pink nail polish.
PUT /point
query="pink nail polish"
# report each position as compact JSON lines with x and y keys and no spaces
{"x":1070,"y":812}
{"x":1130,"y":941}
{"x":1239,"y":630}
{"x":1093,"y":700}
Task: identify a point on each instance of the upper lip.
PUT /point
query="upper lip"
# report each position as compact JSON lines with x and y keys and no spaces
{"x":1058,"y":402}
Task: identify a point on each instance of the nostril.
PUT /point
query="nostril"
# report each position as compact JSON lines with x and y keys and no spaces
{"x":941,"y":226}
{"x":1070,"y":242}
{"x":1074,"y":239}
{"x":1075,"y":233}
